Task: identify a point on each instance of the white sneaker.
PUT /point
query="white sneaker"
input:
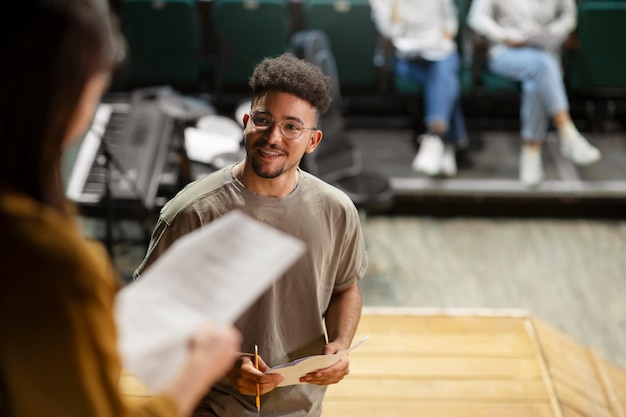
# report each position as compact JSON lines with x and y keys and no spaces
{"x":530,"y":166}
{"x":448,"y":161}
{"x":579,"y":151}
{"x":429,"y":156}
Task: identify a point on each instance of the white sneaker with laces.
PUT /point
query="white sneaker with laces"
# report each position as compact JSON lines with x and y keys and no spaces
{"x":448,"y":161}
{"x":530,"y":166}
{"x":579,"y":151}
{"x":429,"y":156}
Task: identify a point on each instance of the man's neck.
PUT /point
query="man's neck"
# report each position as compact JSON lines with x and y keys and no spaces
{"x":280,"y":186}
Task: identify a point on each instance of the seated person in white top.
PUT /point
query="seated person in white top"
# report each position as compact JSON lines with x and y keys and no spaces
{"x":423,"y":35}
{"x":525,"y":38}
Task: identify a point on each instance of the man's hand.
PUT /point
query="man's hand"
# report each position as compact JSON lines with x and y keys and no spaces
{"x":333,"y":373}
{"x":245,"y":377}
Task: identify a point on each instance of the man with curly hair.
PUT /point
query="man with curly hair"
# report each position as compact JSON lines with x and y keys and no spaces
{"x":316,"y":306}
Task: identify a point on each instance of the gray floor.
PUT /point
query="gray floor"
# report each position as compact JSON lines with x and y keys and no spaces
{"x":570,"y":273}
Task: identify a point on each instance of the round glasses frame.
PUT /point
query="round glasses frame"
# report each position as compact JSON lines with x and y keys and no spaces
{"x":291,"y":129}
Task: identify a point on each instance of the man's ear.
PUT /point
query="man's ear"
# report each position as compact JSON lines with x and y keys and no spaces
{"x":315,"y":140}
{"x":246,"y":117}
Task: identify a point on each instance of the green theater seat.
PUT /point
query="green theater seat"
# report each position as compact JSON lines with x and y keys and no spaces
{"x":597,"y":65}
{"x":353,"y":38}
{"x":162,"y":41}
{"x":495,"y":84}
{"x":247,"y":32}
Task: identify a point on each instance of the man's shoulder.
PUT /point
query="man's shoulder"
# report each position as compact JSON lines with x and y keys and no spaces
{"x":195,"y":191}
{"x":328,"y":193}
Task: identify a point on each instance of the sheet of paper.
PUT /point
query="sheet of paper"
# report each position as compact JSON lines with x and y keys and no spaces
{"x":212,"y":274}
{"x":293,"y":371}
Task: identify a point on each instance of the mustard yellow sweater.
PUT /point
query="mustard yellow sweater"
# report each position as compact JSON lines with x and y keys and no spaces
{"x":58,"y":351}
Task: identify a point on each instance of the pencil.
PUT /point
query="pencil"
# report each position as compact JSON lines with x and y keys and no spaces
{"x":258,"y":388}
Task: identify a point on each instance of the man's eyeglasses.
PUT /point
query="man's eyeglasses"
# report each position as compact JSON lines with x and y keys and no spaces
{"x":291,"y":129}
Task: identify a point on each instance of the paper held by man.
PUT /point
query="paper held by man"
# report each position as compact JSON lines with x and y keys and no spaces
{"x":294,"y":370}
{"x":212,"y":274}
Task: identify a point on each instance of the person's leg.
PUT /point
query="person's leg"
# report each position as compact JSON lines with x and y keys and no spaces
{"x":443,"y":109}
{"x":428,"y":159}
{"x":543,"y":98}
{"x":440,"y":89}
{"x":455,"y":139}
{"x":441,"y":97}
{"x":457,"y":133}
{"x":412,"y":69}
{"x":443,"y":113}
{"x":573,"y":144}
{"x":539,"y":97}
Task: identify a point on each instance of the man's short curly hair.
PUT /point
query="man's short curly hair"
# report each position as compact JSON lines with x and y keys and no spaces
{"x":291,"y":75}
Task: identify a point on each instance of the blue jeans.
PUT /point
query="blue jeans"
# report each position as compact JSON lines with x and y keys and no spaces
{"x":543,"y":91}
{"x":442,"y":97}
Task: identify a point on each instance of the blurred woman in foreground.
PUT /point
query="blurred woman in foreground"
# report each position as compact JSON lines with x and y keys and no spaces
{"x":58,"y":355}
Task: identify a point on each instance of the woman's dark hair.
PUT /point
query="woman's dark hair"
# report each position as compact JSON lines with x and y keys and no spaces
{"x":49,"y":50}
{"x":288,"y":74}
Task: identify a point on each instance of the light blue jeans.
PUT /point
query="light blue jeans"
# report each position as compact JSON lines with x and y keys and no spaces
{"x":442,"y":97}
{"x":543,"y":91}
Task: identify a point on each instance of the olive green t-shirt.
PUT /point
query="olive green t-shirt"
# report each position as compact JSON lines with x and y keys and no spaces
{"x":286,"y":322}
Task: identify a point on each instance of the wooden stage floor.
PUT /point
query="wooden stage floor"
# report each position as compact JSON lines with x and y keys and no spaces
{"x":456,"y":363}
